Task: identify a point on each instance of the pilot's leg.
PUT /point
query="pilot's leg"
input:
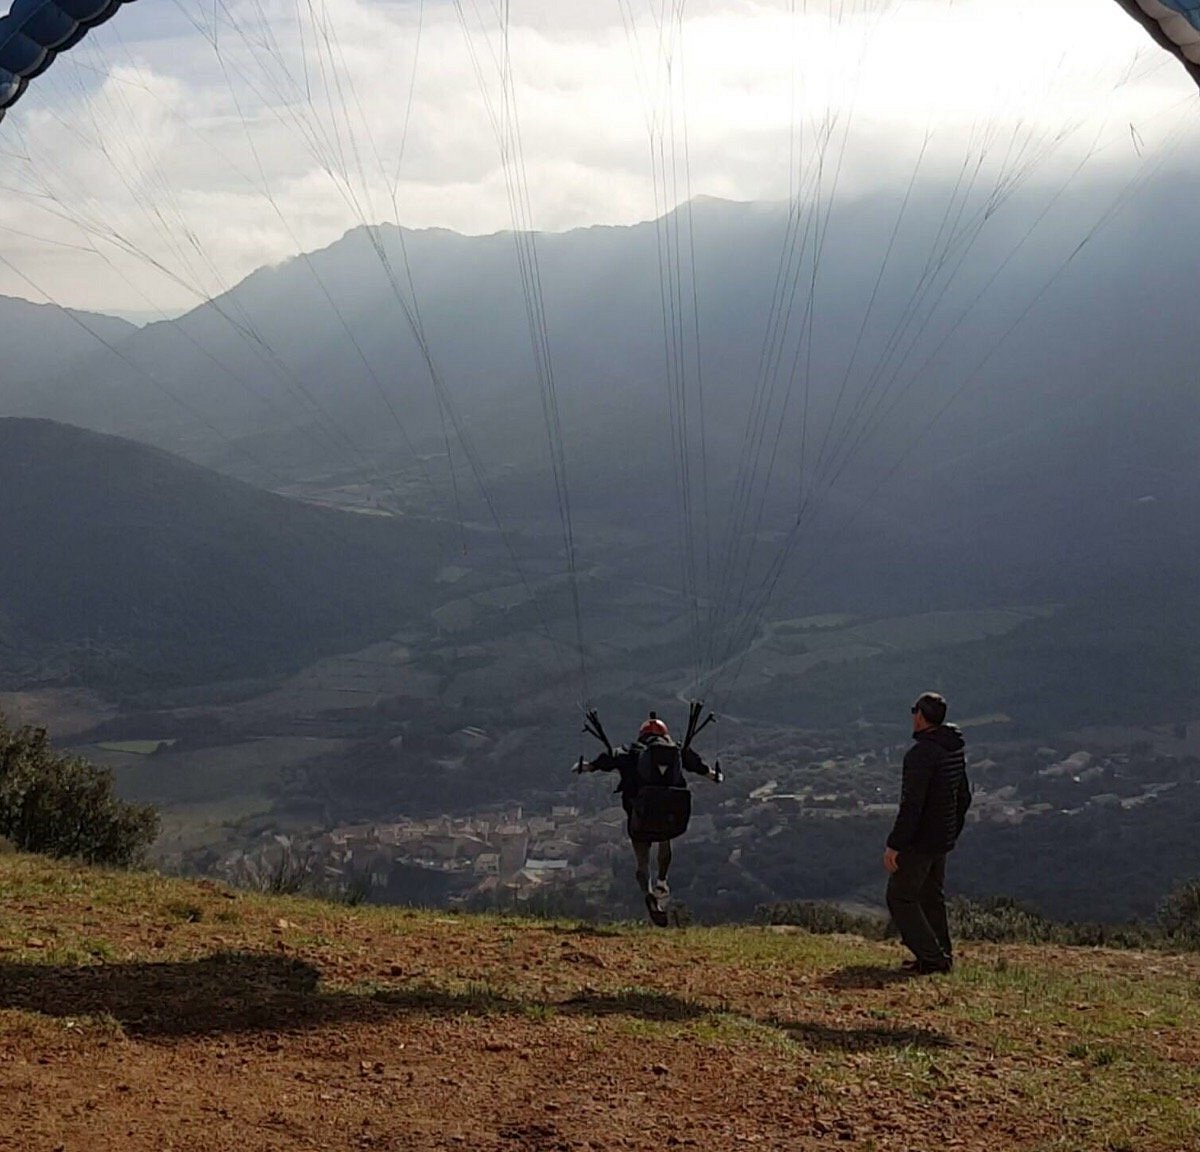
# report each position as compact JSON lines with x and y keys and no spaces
{"x":641,"y":853}
{"x":661,"y":889}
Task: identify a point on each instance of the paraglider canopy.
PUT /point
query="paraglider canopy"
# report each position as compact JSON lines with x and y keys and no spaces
{"x":1175,"y":24}
{"x":35,"y":31}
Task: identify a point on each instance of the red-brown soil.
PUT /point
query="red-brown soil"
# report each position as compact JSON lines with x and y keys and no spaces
{"x":140,"y":1014}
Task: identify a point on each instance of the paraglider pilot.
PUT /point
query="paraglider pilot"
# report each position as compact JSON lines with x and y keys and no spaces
{"x":654,"y":794}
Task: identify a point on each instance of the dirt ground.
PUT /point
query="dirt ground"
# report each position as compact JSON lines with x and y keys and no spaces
{"x":141,"y":1019}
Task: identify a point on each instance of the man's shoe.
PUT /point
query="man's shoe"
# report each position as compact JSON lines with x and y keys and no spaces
{"x":923,"y":968}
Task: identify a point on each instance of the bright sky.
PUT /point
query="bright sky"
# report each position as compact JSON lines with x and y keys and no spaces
{"x":190,"y":141}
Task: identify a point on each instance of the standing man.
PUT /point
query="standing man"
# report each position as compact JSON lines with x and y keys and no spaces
{"x":934,"y":799}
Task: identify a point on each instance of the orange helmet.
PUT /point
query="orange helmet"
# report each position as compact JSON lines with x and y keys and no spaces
{"x":652,"y":727}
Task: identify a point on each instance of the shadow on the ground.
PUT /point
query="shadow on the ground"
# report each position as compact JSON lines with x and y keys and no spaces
{"x":827,"y":1037}
{"x":647,"y":1005}
{"x":234,"y":992}
{"x":224,"y":992}
{"x":855,"y":976}
{"x":584,"y":928}
{"x":230,"y":992}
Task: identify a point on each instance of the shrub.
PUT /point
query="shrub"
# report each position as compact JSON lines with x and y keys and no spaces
{"x":284,"y":869}
{"x":820,"y":918}
{"x":1179,"y":915}
{"x":1001,"y":920}
{"x":64,"y":806}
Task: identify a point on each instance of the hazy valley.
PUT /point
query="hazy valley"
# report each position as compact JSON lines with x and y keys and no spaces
{"x":403,"y":639}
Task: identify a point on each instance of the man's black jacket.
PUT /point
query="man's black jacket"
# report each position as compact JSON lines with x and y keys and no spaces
{"x":935,"y":794}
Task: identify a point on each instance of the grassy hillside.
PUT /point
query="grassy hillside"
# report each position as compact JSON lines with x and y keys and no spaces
{"x":125,"y":567}
{"x":140,"y":1013}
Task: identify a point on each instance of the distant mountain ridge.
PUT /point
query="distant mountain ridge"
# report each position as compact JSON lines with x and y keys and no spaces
{"x":122,"y":564}
{"x":1065,"y":448}
{"x":40,"y":342}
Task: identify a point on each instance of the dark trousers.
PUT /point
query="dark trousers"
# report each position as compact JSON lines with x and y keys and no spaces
{"x":916,"y":898}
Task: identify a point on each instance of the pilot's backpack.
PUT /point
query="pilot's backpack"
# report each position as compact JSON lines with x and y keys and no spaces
{"x":662,"y":806}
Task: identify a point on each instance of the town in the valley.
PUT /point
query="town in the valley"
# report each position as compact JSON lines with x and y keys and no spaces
{"x":569,"y":850}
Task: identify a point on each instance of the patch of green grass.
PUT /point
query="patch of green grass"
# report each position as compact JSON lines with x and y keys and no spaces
{"x":763,"y":948}
{"x":318,"y":940}
{"x":920,"y":1071}
{"x":456,"y":998}
{"x":1006,"y":978}
{"x":638,"y":1029}
{"x":1096,"y":1056}
{"x":721,"y":1028}
{"x":717,"y":1029}
{"x":539,"y":1013}
{"x":186,"y":910}
{"x":98,"y":949}
{"x":1114,"y":1110}
{"x":99,"y":1025}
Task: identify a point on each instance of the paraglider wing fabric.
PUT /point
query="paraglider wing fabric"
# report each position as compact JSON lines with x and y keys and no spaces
{"x":1175,"y":24}
{"x":35,"y":31}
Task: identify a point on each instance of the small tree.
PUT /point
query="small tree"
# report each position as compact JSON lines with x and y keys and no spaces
{"x":282,"y":870}
{"x":1179,"y":915}
{"x":63,"y":806}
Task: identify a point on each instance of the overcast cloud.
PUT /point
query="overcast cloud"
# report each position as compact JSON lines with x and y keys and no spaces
{"x":189,"y":152}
